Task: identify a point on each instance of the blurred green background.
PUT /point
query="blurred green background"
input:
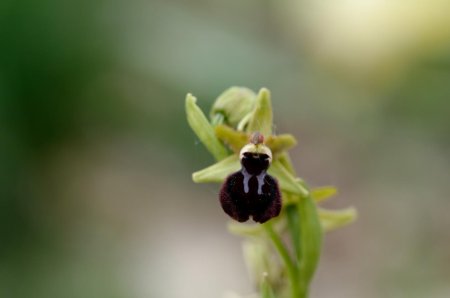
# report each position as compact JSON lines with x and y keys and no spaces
{"x":96,"y":198}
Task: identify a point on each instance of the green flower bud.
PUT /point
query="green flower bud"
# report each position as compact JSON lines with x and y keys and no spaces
{"x":334,"y":219}
{"x":265,"y":272}
{"x":232,"y":106}
{"x":320,"y":194}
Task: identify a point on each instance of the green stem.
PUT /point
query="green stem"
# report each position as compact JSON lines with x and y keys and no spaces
{"x":297,"y":291}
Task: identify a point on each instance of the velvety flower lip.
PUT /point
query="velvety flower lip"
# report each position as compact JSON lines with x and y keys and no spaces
{"x":251,"y":192}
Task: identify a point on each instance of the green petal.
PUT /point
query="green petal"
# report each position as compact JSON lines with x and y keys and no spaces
{"x":320,"y":194}
{"x":262,"y":116}
{"x":287,"y":182}
{"x":218,"y":171}
{"x":244,"y":121}
{"x":280,"y":143}
{"x":203,"y":129}
{"x":234,"y":139}
{"x":334,"y":219}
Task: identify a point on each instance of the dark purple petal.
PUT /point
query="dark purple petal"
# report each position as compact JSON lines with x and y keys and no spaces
{"x":232,"y":198}
{"x":267,"y":205}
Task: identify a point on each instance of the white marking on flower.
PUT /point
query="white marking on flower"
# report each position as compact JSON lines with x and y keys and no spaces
{"x":260,"y":178}
{"x":247,"y":177}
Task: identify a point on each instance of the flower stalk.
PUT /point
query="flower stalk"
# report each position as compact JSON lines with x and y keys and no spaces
{"x":295,"y":235}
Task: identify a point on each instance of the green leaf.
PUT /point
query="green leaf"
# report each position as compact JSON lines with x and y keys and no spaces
{"x":262,"y":117}
{"x":293,"y":220}
{"x":286,"y":180}
{"x":320,"y":194}
{"x":203,"y":129}
{"x":311,"y":238}
{"x":334,"y":219}
{"x":218,"y":171}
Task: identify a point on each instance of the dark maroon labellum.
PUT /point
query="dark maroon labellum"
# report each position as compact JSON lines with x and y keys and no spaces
{"x":251,"y":191}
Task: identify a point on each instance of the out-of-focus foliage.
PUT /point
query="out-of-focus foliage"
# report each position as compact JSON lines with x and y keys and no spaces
{"x":95,"y":157}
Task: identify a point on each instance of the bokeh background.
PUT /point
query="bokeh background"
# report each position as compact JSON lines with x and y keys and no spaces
{"x":96,"y":198}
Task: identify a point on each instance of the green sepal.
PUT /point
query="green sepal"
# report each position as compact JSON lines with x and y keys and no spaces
{"x":286,"y":180}
{"x":334,"y":219}
{"x":203,"y":129}
{"x":320,"y":194}
{"x":218,"y":171}
{"x":262,"y":117}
